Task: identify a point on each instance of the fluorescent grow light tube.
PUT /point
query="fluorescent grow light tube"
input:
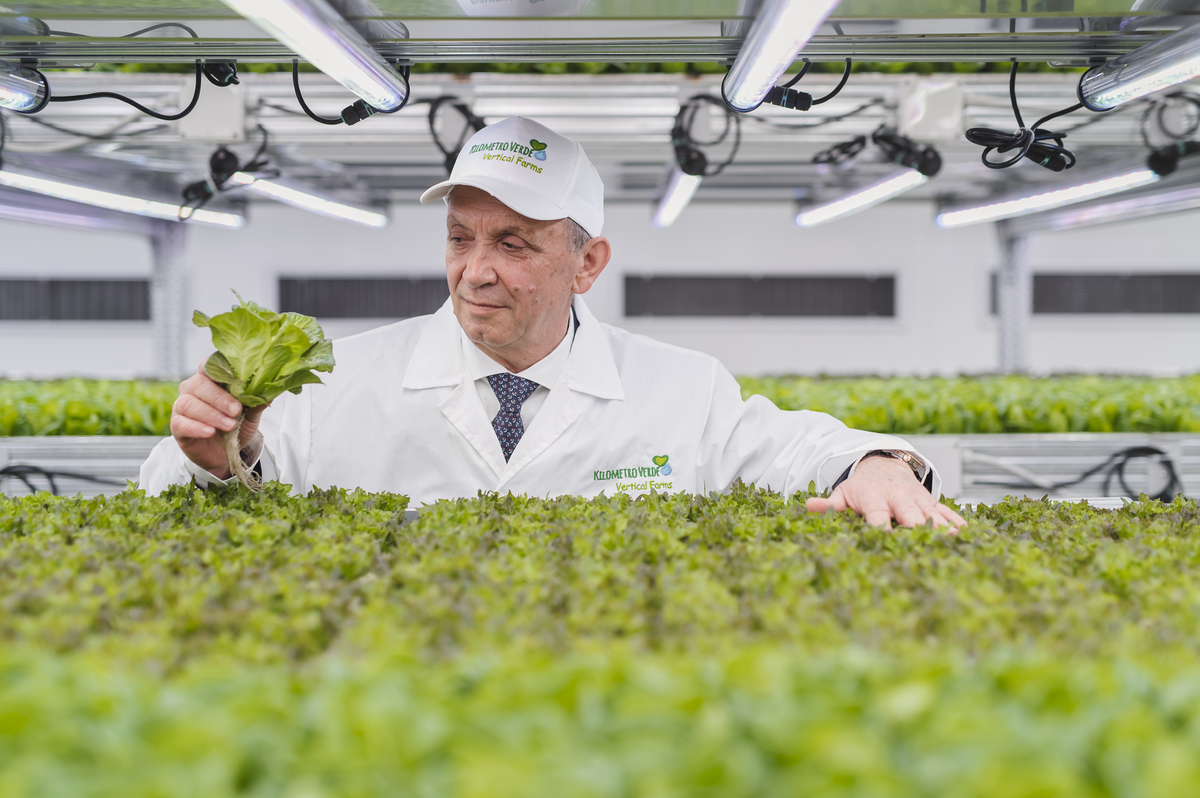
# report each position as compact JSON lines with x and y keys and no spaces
{"x":681,"y":187}
{"x":116,"y":202}
{"x":1046,"y":200}
{"x":863,"y":198}
{"x":22,"y":89}
{"x":779,"y":32}
{"x":1185,"y":199}
{"x":291,"y":193}
{"x":1171,"y":60}
{"x":320,"y":35}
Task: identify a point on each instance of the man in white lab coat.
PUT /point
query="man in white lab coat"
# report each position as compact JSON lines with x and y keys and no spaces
{"x":513,"y":385}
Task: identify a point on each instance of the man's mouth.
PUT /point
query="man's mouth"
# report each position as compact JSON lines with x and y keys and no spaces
{"x":482,"y":307}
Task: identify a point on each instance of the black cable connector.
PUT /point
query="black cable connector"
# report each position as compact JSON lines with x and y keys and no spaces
{"x":1165,"y":160}
{"x":787,"y":97}
{"x":688,"y":154}
{"x":906,"y":152}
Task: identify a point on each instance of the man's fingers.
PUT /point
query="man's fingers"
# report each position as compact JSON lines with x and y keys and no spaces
{"x":878,"y":517}
{"x":206,"y":389}
{"x":907,"y":513}
{"x":189,"y":406}
{"x":836,"y":502}
{"x":952,"y":517}
{"x":949,"y":516}
{"x":188,"y":428}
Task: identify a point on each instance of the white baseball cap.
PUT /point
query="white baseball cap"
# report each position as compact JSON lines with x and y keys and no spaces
{"x":531,"y":169}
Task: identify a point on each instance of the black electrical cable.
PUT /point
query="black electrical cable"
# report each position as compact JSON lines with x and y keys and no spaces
{"x":324,"y":120}
{"x":149,"y":112}
{"x":93,"y":136}
{"x":474,"y":125}
{"x":1157,"y":108}
{"x":841,"y":152}
{"x":113,"y":96}
{"x":1113,"y":466}
{"x":23,"y":472}
{"x":682,"y":132}
{"x":825,"y":121}
{"x":355,"y":112}
{"x":803,"y":71}
{"x":1032,"y":142}
{"x":837,"y":89}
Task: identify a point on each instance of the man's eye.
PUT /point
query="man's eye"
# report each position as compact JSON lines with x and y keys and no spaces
{"x":510,"y":245}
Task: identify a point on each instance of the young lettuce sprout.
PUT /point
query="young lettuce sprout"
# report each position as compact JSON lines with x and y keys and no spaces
{"x":260,"y":354}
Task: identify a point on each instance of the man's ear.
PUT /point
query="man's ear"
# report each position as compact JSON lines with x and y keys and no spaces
{"x":596,"y":253}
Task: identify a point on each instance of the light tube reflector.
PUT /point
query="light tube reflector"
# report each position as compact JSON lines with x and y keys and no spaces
{"x":1171,"y":60}
{"x":292,"y":194}
{"x":681,"y":187}
{"x":1046,"y":200}
{"x":21,"y":89}
{"x":115,"y":202}
{"x":1122,"y":210}
{"x":320,"y":35}
{"x":779,"y":32}
{"x":877,"y":192}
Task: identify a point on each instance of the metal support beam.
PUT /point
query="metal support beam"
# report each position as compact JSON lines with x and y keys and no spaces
{"x":1014,"y":289}
{"x":168,"y":299}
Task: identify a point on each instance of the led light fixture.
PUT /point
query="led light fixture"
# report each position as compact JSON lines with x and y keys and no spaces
{"x":113,"y":201}
{"x":1047,"y":200}
{"x":779,"y":32}
{"x":681,"y":187}
{"x":298,"y":196}
{"x":877,"y":192}
{"x":22,"y":89}
{"x":1171,"y":60}
{"x":320,"y":35}
{"x":1184,"y":199}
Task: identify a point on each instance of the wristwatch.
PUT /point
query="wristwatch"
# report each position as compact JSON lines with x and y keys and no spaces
{"x":919,"y":467}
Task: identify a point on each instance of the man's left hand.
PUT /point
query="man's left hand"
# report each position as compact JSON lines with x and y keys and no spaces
{"x":883,"y":488}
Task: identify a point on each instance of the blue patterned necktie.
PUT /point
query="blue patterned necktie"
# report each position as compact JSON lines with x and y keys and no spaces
{"x":512,"y":391}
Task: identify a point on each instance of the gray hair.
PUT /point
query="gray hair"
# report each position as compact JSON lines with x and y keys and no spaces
{"x":577,"y":237}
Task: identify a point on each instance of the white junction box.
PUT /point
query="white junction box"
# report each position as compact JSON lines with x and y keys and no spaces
{"x":931,"y":110}
{"x":218,"y":118}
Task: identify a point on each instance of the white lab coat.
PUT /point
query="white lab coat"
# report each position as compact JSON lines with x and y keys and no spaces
{"x":400,"y":413}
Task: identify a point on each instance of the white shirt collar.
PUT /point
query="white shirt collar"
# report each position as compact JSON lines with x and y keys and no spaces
{"x":545,"y":372}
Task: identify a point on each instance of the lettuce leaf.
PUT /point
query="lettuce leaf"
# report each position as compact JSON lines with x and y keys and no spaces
{"x":261,"y":353}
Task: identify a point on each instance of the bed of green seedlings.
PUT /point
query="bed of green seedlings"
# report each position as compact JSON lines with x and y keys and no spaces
{"x":905,"y":406}
{"x":221,"y":644}
{"x":994,"y":404}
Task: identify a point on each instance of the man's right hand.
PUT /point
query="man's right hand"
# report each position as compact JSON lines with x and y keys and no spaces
{"x":203,"y":410}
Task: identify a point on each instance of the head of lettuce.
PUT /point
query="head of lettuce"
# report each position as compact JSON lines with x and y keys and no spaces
{"x":260,"y":354}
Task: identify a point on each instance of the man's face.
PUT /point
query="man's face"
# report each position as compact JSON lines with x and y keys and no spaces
{"x":511,"y":278}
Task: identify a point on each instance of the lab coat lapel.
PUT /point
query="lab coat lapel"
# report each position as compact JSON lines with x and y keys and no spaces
{"x":437,"y":362}
{"x":557,"y":413}
{"x":464,"y":411}
{"x":590,"y":370}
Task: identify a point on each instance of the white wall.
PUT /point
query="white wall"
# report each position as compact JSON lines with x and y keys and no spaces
{"x":942,"y":323}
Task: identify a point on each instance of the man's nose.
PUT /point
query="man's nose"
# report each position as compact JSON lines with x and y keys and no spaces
{"x":479,"y":270}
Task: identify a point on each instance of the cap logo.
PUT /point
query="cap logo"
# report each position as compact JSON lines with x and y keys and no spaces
{"x":513,"y":152}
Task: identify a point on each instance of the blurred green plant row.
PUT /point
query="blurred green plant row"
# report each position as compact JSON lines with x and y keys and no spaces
{"x":903,"y":406}
{"x":604,"y":68}
{"x":1009,"y":404}
{"x":86,"y":407}
{"x":227,"y":644}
